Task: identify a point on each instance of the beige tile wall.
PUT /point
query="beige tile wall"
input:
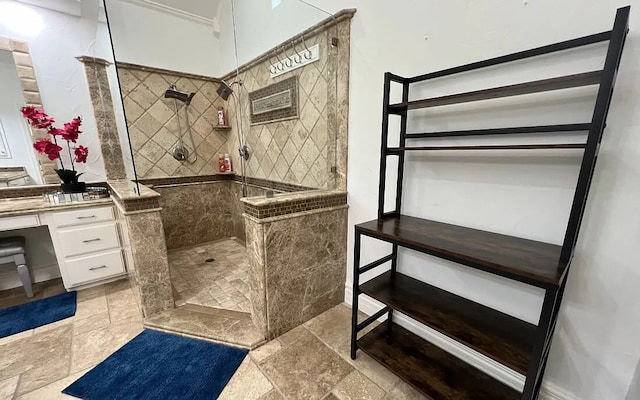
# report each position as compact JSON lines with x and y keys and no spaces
{"x":298,"y":151}
{"x":153,"y":126}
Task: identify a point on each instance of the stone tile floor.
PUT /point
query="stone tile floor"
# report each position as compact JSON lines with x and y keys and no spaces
{"x":310,"y":362}
{"x":222,"y":283}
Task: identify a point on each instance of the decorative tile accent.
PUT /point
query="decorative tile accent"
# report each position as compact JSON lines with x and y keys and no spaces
{"x":276,"y":102}
{"x":96,"y":71}
{"x":309,"y":151}
{"x":31,"y":93}
{"x":275,"y":209}
{"x":154,"y":127}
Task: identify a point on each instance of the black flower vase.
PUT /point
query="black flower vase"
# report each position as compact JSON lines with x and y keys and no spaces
{"x":74,"y":187}
{"x":70,"y":181}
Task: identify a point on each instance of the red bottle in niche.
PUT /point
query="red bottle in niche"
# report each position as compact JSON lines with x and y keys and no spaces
{"x":221,"y":164}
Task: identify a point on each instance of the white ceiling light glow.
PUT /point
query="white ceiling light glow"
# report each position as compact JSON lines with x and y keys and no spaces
{"x":20,"y":19}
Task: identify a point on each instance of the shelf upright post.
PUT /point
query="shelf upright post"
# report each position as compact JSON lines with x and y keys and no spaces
{"x":598,"y":122}
{"x":356,"y":294}
{"x":384,"y":143}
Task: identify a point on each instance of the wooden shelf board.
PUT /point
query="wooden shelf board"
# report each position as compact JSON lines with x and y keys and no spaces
{"x":555,"y":146}
{"x":528,"y":261}
{"x":504,"y":338}
{"x":432,"y":371}
{"x":518,"y":130}
{"x":544,"y":85}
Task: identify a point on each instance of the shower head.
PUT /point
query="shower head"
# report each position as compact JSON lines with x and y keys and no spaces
{"x":224,"y":91}
{"x":172,"y":93}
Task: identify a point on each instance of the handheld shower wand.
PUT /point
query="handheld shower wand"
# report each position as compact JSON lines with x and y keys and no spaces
{"x":180,"y":152}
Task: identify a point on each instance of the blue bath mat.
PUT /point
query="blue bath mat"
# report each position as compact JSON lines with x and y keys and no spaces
{"x":37,"y":313}
{"x":159,"y":366}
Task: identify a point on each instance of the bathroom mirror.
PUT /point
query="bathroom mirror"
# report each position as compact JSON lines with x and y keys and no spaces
{"x":58,"y":56}
{"x":182,"y":63}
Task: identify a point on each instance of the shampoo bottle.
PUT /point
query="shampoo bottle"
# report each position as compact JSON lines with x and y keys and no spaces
{"x":221,"y":163}
{"x":227,"y":163}
{"x":222,"y":120}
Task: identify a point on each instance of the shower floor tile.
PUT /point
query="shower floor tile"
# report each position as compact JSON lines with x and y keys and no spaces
{"x":221,"y":283}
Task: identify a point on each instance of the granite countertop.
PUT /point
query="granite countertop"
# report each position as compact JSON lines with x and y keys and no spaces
{"x":278,"y":198}
{"x":125,"y":190}
{"x":8,"y":176}
{"x":29,"y":205}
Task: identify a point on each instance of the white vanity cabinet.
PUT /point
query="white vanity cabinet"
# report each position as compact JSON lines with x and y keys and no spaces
{"x":87,"y":244}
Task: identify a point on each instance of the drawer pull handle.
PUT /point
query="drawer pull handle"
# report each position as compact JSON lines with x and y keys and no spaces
{"x":91,"y":240}
{"x":95,"y":268}
{"x":86,"y":217}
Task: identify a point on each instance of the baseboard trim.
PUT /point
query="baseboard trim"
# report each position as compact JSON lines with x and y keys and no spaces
{"x":492,"y":368}
{"x":9,"y":279}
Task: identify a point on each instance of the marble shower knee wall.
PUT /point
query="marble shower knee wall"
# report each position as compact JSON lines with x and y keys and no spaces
{"x":306,"y":258}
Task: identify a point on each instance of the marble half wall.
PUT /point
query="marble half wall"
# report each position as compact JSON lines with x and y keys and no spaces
{"x":199,"y":212}
{"x":297,"y":266}
{"x":196,"y":213}
{"x":145,"y":246}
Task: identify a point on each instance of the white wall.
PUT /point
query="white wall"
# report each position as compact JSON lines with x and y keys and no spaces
{"x":55,"y":39}
{"x":15,"y":127}
{"x":149,"y":37}
{"x":595,"y":350}
{"x":254,"y":35}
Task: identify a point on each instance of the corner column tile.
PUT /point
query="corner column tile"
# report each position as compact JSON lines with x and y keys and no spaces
{"x":145,"y":245}
{"x":151,"y":263}
{"x":342,"y":98}
{"x":257,"y":283}
{"x":98,"y":80}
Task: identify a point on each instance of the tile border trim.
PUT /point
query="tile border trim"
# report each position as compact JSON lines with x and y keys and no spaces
{"x":146,"y":68}
{"x":295,"y":206}
{"x":345,"y":14}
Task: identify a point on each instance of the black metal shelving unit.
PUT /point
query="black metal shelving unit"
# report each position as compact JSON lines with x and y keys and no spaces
{"x":519,"y":345}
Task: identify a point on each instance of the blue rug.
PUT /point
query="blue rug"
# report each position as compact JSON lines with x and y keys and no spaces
{"x":159,"y":366}
{"x":37,"y":313}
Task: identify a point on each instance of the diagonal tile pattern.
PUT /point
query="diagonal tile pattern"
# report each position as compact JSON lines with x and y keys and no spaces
{"x":154,"y":129}
{"x":107,"y":317}
{"x":310,"y":362}
{"x":222,"y":283}
{"x":300,"y":151}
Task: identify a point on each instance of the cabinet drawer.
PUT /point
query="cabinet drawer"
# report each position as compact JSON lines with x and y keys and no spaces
{"x":94,"y":267}
{"x":23,"y":221}
{"x":83,"y":216}
{"x":83,"y":240}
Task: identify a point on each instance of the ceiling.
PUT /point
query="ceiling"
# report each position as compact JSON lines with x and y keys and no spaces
{"x":202,"y":8}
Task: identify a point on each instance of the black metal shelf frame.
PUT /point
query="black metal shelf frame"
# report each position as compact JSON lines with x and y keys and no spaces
{"x":605,"y":79}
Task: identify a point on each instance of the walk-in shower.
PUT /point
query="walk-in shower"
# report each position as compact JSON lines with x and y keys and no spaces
{"x":180,"y":152}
